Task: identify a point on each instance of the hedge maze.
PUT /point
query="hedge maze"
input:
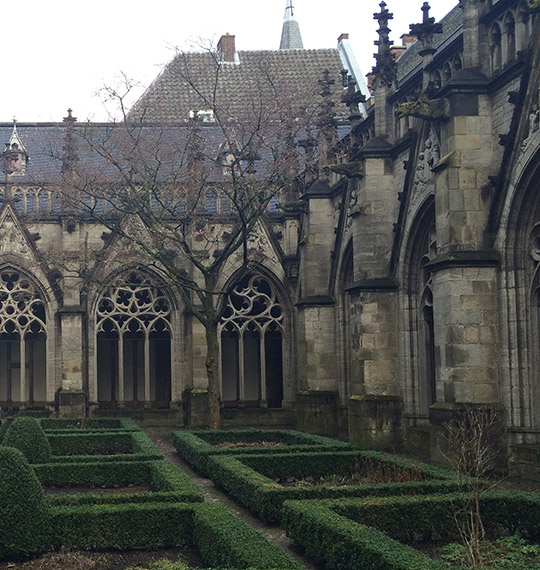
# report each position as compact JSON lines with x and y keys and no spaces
{"x":101,"y":485}
{"x":352,"y":510}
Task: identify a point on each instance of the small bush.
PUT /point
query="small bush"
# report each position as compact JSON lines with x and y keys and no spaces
{"x":26,"y":435}
{"x":23,"y":511}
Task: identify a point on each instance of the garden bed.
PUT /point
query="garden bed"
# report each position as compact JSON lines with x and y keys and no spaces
{"x":106,"y":446}
{"x":86,"y":483}
{"x":384,"y":532}
{"x":255,"y":479}
{"x":220,"y":539}
{"x":88,"y":424}
{"x":197,"y":446}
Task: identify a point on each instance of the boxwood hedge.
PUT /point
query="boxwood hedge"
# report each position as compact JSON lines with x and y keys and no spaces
{"x":24,"y":513}
{"x":88,"y":424}
{"x":169,"y":482}
{"x":25,"y":434}
{"x":109,"y":446}
{"x":250,"y":478}
{"x":351,"y":534}
{"x":222,"y":539}
{"x":196,"y":446}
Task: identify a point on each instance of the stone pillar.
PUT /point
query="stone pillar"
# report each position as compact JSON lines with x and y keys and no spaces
{"x":464,"y":271}
{"x":72,"y":397}
{"x":317,"y":366}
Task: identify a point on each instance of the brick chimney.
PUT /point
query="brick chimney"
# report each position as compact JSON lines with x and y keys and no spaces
{"x":226,"y":48}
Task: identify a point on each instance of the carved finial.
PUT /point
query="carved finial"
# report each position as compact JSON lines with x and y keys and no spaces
{"x":427,"y":29}
{"x":385,"y":70}
{"x":70,"y":151}
{"x":70,"y":118}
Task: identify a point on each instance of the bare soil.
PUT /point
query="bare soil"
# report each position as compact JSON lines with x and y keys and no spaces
{"x":110,"y":560}
{"x":234,"y":444}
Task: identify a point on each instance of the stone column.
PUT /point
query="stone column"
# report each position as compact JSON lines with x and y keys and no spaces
{"x":317,"y":366}
{"x":464,"y":270}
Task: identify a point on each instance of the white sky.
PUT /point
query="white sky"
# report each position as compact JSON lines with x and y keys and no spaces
{"x":58,"y":53}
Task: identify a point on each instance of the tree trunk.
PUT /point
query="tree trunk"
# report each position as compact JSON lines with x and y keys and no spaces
{"x":212,"y":371}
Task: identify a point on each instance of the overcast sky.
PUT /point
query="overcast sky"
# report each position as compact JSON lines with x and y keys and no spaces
{"x":58,"y":53}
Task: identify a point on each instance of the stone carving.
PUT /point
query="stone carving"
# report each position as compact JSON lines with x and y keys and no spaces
{"x":424,"y":108}
{"x":427,"y":159}
{"x":11,"y":237}
{"x":21,"y":308}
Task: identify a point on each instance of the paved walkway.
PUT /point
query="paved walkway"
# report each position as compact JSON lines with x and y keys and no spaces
{"x":275,"y":534}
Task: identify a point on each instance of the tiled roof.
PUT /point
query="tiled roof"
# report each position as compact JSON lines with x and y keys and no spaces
{"x":452,"y":23}
{"x":187,"y":83}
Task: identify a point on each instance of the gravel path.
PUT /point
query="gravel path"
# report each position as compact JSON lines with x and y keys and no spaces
{"x":275,"y":534}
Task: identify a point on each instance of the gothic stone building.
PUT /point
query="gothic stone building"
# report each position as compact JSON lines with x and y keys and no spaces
{"x":400,"y":285}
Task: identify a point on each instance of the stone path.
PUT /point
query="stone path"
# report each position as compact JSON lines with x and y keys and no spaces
{"x":274,"y":534}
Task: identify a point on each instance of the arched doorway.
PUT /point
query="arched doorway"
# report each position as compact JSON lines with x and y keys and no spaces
{"x":251,"y":333}
{"x":23,"y":341}
{"x":133,"y":327}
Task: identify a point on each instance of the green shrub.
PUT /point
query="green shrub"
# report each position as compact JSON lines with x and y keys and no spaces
{"x":223,"y":540}
{"x":78,"y":425}
{"x":4,"y":425}
{"x":169,"y":483}
{"x":227,"y":542}
{"x":76,"y":446}
{"x":250,"y":478}
{"x":351,"y":534}
{"x":196,"y":446}
{"x":26,"y":435}
{"x":23,"y":511}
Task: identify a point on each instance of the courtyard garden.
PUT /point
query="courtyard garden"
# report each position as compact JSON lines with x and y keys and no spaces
{"x":98,"y":494}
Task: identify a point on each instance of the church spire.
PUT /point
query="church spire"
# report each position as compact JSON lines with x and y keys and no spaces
{"x":290,"y":35}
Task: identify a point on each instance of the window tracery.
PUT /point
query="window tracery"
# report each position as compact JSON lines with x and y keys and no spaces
{"x":251,"y":334}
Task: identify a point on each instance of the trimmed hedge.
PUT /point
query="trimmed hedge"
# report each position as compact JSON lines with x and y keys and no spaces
{"x":352,"y":534}
{"x":125,"y":526}
{"x":121,"y":446}
{"x":222,"y":539}
{"x":227,"y":542}
{"x":171,"y":483}
{"x":88,"y":424}
{"x":249,"y":478}
{"x":24,"y":514}
{"x":26,"y":435}
{"x":196,"y":446}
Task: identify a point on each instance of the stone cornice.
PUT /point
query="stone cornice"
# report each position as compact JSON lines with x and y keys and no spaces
{"x":373,"y":285}
{"x":488,"y":258}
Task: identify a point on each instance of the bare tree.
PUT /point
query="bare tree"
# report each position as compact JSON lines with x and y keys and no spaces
{"x":154,"y":185}
{"x":473,"y":442}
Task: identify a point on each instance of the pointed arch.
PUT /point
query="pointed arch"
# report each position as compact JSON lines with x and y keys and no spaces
{"x":133,"y":328}
{"x":519,"y":293}
{"x":351,"y":380}
{"x":255,"y":343}
{"x":25,"y":374}
{"x":417,"y":351}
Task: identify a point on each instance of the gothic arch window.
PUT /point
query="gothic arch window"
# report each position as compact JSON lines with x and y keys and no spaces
{"x":495,"y":47}
{"x":351,"y":376}
{"x":133,"y":327}
{"x":510,"y":37}
{"x":251,"y":333}
{"x":23,"y":335}
{"x":420,"y":315}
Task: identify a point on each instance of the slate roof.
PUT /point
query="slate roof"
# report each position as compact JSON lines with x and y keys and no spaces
{"x":247,"y":81}
{"x":411,"y":59}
